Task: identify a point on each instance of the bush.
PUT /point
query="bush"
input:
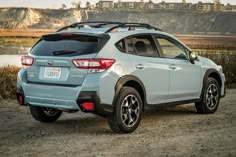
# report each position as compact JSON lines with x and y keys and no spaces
{"x":8,"y":76}
{"x":228,"y":62}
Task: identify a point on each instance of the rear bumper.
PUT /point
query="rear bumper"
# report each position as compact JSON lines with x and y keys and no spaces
{"x":224,"y":93}
{"x":62,"y":98}
{"x":223,"y":87}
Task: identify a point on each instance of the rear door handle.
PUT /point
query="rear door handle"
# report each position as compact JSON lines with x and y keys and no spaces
{"x":139,"y":66}
{"x":172,"y":66}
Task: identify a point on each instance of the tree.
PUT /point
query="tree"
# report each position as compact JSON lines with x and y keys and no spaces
{"x":93,"y":7}
{"x":184,"y":3}
{"x":97,"y":5}
{"x":63,"y":6}
{"x":216,"y":5}
{"x":228,"y":6}
{"x":76,"y":5}
{"x":88,"y":5}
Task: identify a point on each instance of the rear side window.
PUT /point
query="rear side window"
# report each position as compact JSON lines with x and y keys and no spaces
{"x":70,"y":45}
{"x":121,"y":45}
{"x":142,"y":45}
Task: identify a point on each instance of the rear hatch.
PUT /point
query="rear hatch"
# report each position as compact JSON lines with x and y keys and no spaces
{"x":53,"y":55}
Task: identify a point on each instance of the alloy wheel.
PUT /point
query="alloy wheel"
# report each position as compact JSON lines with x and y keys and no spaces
{"x":130,"y":110}
{"x":50,"y":111}
{"x":212,"y":96}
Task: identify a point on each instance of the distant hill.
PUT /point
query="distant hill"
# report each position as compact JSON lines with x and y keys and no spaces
{"x":170,"y":21}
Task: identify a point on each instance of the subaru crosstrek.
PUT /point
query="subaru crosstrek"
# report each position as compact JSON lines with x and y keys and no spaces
{"x":115,"y":70}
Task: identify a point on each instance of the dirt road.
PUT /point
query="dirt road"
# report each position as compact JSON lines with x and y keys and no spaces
{"x":176,"y":131}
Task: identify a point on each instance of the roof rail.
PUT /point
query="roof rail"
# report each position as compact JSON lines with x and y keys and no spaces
{"x":89,"y":23}
{"x":131,"y":26}
{"x":99,"y":24}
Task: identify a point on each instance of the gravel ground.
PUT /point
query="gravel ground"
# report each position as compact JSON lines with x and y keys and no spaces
{"x":176,"y":131}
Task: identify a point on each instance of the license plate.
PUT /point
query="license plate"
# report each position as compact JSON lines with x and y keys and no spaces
{"x":52,"y":72}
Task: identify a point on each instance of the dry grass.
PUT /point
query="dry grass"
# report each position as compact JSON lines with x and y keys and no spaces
{"x":15,"y":41}
{"x":209,"y":42}
{"x":8,"y":76}
{"x":24,"y":32}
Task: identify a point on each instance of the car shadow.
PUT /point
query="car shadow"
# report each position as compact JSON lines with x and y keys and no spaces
{"x":92,"y":124}
{"x":88,"y":124}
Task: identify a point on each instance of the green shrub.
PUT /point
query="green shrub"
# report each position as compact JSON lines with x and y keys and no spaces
{"x":228,"y":62}
{"x":8,"y":76}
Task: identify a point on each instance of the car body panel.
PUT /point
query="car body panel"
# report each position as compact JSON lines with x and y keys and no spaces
{"x":185,"y":80}
{"x":154,"y":75}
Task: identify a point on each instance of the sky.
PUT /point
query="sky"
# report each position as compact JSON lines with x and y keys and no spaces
{"x":57,"y":3}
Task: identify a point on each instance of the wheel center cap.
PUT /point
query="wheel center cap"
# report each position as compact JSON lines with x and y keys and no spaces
{"x":129,"y":110}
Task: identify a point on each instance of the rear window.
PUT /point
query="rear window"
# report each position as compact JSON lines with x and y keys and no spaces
{"x":65,"y":45}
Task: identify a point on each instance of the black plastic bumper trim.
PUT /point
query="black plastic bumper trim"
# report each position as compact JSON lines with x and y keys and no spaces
{"x":224,"y":92}
{"x":19,"y":91}
{"x":92,"y":96}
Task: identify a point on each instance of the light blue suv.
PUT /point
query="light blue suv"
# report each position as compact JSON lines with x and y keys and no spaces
{"x":116,"y":70}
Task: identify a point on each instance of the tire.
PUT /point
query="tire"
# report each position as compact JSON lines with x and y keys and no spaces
{"x":210,"y":97}
{"x":46,"y":115}
{"x":127,"y":111}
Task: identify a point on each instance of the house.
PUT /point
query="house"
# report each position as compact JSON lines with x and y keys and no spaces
{"x":173,"y":6}
{"x":125,"y":4}
{"x":149,"y":5}
{"x":129,"y":4}
{"x":206,"y":7}
{"x":139,"y":5}
{"x":105,"y":4}
{"x":230,"y":7}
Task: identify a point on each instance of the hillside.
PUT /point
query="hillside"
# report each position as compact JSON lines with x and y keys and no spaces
{"x":37,"y":18}
{"x":170,"y":21}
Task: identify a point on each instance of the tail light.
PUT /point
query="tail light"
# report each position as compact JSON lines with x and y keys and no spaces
{"x":88,"y":106}
{"x":27,"y":60}
{"x":94,"y":65}
{"x":20,"y":99}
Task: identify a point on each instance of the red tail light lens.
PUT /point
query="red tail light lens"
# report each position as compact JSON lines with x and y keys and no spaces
{"x":94,"y":65}
{"x":88,"y":106}
{"x":27,"y":60}
{"x":20,"y":99}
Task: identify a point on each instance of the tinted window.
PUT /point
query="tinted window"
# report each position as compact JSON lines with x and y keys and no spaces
{"x":170,"y":49}
{"x":142,"y":45}
{"x":121,"y":45}
{"x":56,"y":45}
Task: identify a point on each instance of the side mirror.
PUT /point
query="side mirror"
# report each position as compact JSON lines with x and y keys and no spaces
{"x":193,"y":56}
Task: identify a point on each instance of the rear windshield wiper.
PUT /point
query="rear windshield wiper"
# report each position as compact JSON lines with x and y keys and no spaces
{"x":63,"y":52}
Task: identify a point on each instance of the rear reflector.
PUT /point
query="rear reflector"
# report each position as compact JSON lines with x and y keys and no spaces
{"x":88,"y":106}
{"x":20,"y":99}
{"x":27,"y":60}
{"x":94,"y":65}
